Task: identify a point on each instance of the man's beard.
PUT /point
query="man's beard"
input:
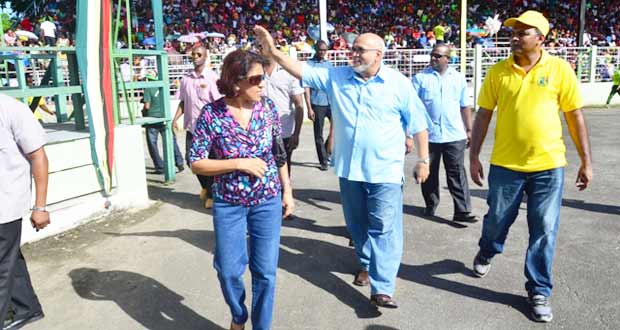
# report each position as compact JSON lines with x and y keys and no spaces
{"x":361,"y":68}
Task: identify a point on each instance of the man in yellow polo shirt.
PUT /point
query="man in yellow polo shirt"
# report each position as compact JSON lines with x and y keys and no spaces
{"x":528,"y":89}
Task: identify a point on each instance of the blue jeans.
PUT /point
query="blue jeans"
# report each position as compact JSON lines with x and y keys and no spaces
{"x":152,"y":134}
{"x":544,"y":199}
{"x":374,"y":216}
{"x":262,"y":223}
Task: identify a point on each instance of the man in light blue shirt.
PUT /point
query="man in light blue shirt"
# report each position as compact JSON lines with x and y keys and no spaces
{"x":318,"y":108}
{"x":444,"y":93}
{"x":377,"y":116}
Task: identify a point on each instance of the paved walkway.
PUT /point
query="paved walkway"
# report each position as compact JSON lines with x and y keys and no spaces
{"x":153,"y":269}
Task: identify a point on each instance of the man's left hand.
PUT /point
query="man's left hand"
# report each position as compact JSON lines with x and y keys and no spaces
{"x":39,"y":219}
{"x":409,"y":145}
{"x":421,"y":172}
{"x":584,"y":176}
{"x":293,"y":141}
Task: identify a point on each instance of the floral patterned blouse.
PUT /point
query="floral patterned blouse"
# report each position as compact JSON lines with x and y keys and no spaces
{"x":217,"y":131}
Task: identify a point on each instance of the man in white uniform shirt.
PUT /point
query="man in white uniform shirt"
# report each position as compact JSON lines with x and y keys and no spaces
{"x":287,"y":94}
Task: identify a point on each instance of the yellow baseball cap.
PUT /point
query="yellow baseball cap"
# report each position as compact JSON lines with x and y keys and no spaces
{"x":531,"y":18}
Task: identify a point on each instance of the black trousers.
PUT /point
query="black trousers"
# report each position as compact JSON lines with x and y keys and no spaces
{"x":320,"y":113}
{"x":289,"y":154}
{"x":453,"y":160}
{"x":16,"y":290}
{"x":205,"y":181}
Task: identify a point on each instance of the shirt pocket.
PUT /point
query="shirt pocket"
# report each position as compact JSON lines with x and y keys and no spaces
{"x":428,"y":95}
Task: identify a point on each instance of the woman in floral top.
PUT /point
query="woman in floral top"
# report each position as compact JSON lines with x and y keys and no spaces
{"x":252,"y":191}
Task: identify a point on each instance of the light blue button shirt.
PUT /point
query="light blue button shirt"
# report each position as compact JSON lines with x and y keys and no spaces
{"x":319,"y":97}
{"x":370,"y":120}
{"x":443,"y":97}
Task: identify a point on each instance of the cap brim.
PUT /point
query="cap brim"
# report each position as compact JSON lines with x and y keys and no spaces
{"x":511,"y":22}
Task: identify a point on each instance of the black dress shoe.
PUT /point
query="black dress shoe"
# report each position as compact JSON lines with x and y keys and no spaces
{"x":180,"y":168}
{"x":383,"y":300}
{"x":429,"y":212}
{"x":18,"y":322}
{"x":324,"y":167}
{"x":465,"y":217}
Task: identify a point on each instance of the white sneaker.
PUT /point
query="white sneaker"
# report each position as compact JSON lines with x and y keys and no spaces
{"x":541,"y":310}
{"x":481,"y":266}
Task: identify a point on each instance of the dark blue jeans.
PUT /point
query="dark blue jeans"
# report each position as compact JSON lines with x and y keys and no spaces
{"x":152,"y":133}
{"x":544,"y":199}
{"x":262,"y":224}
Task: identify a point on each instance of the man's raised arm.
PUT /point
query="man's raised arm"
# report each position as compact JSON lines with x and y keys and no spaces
{"x":268,"y":49}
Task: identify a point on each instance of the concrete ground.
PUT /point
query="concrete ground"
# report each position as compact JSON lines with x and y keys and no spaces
{"x":153,"y":269}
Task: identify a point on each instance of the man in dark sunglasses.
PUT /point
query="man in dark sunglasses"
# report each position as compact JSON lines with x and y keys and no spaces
{"x":377,"y":116}
{"x":197,"y":89}
{"x":444,"y":93}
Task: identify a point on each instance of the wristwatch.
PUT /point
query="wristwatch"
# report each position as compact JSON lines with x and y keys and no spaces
{"x":40,"y":209}
{"x":426,"y":160}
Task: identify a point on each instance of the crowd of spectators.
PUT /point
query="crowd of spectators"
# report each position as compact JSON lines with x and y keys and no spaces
{"x":403,"y":24}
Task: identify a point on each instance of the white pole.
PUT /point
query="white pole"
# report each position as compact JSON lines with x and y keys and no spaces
{"x":323,"y":19}
{"x":464,"y":36}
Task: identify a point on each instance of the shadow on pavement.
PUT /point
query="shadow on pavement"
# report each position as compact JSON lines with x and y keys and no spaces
{"x":306,"y":164}
{"x":144,"y":299}
{"x":573,"y":203}
{"x":314,"y":196}
{"x":427,"y":275}
{"x":313,"y":260}
{"x":379,"y":327}
{"x":418,"y":211}
{"x":181,"y":199}
{"x":312,"y":226}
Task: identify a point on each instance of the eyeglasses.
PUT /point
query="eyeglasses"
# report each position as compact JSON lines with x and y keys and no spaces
{"x":255,"y":80}
{"x":438,"y":56}
{"x":197,"y":55}
{"x":360,"y":50}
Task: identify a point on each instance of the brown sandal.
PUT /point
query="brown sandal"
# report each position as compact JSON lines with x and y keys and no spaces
{"x":235,"y":326}
{"x":361,"y":278}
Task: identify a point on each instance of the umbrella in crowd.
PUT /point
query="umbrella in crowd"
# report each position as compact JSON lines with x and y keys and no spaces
{"x":314,"y":30}
{"x":349,"y":37}
{"x":26,"y":34}
{"x":478,"y":32}
{"x":189,"y":38}
{"x":213,"y":35}
{"x":149,"y":41}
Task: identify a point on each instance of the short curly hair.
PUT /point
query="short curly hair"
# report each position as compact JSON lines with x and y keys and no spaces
{"x":235,"y":68}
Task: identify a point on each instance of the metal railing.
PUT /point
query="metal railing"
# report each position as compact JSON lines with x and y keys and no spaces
{"x":591,"y":64}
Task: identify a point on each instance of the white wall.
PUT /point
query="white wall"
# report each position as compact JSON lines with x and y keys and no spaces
{"x":74,"y":194}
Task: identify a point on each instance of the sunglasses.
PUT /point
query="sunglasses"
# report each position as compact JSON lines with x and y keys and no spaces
{"x":256,"y":79}
{"x":360,"y":50}
{"x":438,"y":56}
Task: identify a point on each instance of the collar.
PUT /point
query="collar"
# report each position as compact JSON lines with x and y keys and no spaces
{"x":202,"y":74}
{"x":544,"y":57}
{"x":276,"y":69}
{"x":381,"y":74}
{"x":449,"y":71}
